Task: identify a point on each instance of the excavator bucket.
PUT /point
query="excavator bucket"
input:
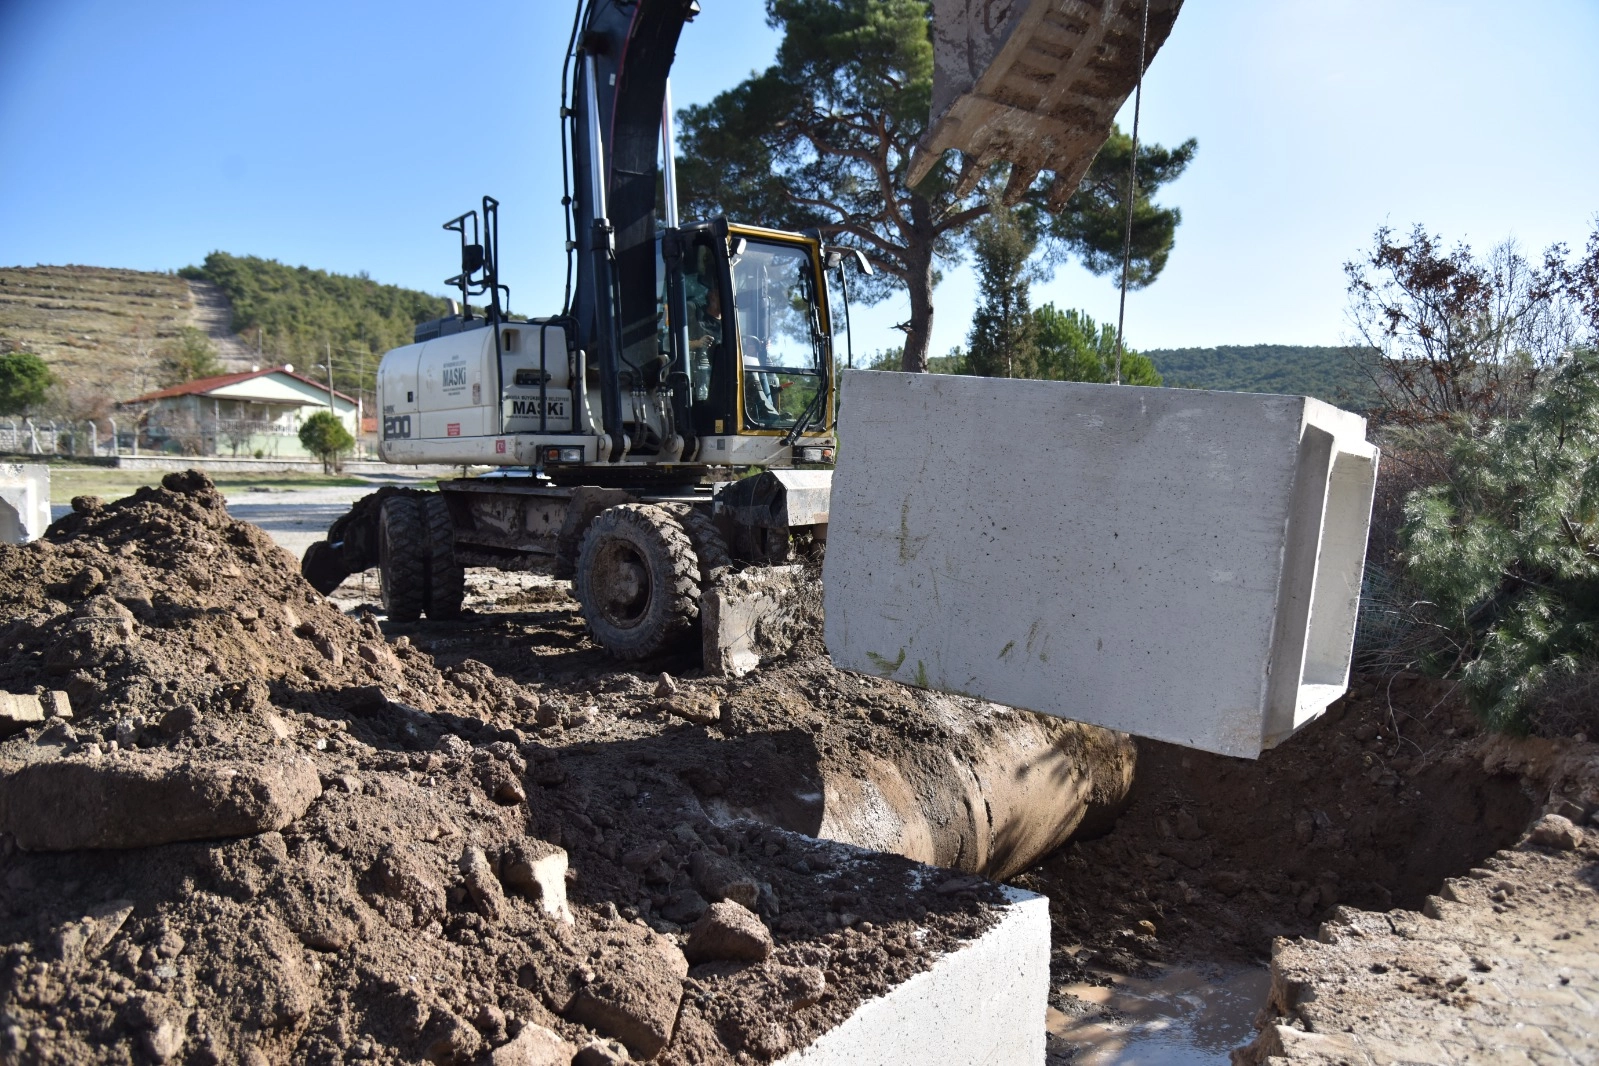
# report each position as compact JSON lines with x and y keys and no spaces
{"x":1033,"y":83}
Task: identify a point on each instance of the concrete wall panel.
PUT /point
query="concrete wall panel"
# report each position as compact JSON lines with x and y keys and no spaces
{"x":1176,"y":564}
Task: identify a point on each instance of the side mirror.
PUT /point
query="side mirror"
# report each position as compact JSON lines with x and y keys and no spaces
{"x":471,"y":258}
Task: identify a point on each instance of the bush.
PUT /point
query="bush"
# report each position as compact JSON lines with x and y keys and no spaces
{"x":25,"y":380}
{"x":1507,"y":547}
{"x":325,"y":437}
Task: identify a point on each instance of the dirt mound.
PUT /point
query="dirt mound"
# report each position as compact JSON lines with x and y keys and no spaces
{"x":1371,"y":806}
{"x":440,"y":857}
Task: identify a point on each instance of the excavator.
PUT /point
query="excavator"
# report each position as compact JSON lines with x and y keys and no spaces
{"x":689,"y":352}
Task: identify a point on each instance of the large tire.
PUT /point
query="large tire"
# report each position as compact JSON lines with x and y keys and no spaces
{"x":323,"y":567}
{"x":638,"y":581}
{"x":710,"y":547}
{"x":403,"y":558}
{"x":446,"y":580}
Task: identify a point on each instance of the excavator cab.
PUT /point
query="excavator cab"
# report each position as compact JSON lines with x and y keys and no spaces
{"x":744,"y":316}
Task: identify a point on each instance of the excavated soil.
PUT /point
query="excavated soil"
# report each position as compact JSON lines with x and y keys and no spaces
{"x":366,"y":929}
{"x":382,"y":916}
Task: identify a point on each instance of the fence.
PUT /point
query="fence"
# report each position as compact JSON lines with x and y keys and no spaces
{"x":50,"y":437}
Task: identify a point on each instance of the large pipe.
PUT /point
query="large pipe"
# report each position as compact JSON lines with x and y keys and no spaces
{"x":1002,"y":791}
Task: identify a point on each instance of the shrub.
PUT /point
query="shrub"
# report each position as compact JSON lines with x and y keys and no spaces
{"x":1507,"y":547}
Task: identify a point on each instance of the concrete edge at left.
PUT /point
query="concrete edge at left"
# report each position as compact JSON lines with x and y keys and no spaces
{"x":24,"y":502}
{"x":981,"y":1004}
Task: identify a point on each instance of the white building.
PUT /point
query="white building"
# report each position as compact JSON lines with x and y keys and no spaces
{"x":257,"y":413}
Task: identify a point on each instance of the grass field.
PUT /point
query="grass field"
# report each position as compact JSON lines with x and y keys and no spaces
{"x":77,"y":479}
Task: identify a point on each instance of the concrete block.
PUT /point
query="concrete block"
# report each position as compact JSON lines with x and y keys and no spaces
{"x":18,"y":712}
{"x":756,"y":616}
{"x":979,"y":1005}
{"x":1175,"y":564}
{"x":24,"y":502}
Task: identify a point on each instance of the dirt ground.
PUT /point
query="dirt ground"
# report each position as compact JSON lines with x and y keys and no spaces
{"x":399,"y":801}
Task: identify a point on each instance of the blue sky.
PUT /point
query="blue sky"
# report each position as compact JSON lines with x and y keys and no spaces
{"x":340,"y":136}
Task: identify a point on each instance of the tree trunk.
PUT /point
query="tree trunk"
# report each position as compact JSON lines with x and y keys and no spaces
{"x":919,"y":283}
{"x":919,"y":334}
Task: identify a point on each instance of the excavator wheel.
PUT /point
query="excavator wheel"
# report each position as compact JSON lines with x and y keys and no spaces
{"x":638,"y":580}
{"x":710,"y":547}
{"x":446,"y":579}
{"x":323,"y":567}
{"x":403,"y":558}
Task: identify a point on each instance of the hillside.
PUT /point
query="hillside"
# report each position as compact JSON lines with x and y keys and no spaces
{"x":299,"y":311}
{"x":103,"y":330}
{"x":1326,"y":373}
{"x":93,"y":324}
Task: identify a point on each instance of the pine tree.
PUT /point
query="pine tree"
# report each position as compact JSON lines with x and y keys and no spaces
{"x":1073,"y":347}
{"x":1508,"y":547}
{"x":1003,"y":341}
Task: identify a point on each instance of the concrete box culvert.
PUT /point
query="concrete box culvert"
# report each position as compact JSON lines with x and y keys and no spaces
{"x":1177,"y":564}
{"x":979,"y":1005}
{"x":24,"y":502}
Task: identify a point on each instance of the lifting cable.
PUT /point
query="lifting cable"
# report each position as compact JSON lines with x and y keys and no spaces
{"x":1132,"y":189}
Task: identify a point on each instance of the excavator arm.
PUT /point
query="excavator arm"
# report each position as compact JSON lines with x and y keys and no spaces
{"x":1034,"y":83}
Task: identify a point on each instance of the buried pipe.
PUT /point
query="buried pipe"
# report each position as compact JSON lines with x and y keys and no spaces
{"x":1007,"y":789}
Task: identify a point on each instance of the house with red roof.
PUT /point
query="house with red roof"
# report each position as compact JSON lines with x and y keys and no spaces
{"x":257,"y":413}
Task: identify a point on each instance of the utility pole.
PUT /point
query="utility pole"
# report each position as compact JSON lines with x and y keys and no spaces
{"x":331,"y":408}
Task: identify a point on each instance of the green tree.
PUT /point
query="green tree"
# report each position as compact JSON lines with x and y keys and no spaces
{"x":25,"y":380}
{"x":1072,"y":347}
{"x":325,"y":437}
{"x":822,"y":138}
{"x":187,"y":357}
{"x":1508,"y":547}
{"x":1002,"y":342}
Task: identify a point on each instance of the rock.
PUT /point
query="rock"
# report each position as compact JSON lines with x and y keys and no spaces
{"x":700,"y":708}
{"x":481,"y":884}
{"x":164,"y":1041}
{"x":1556,"y":832}
{"x":683,"y":906}
{"x":534,"y":1046}
{"x":718,"y":877}
{"x":537,"y":869}
{"x":1187,"y":826}
{"x":449,"y":1039}
{"x":730,"y":931}
{"x":180,"y":719}
{"x":665,"y":686}
{"x":84,"y":940}
{"x":509,"y":792}
{"x":147,"y":798}
{"x":378,"y":655}
{"x":396,"y":876}
{"x":330,"y":651}
{"x":602,"y":1053}
{"x":802,"y":985}
{"x":635,"y":993}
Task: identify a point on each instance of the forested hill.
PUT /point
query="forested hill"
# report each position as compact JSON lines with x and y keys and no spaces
{"x":1330,"y":374}
{"x":301,"y":310}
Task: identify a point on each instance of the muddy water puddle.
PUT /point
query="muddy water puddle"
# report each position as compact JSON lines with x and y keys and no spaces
{"x":1183,"y":1016}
